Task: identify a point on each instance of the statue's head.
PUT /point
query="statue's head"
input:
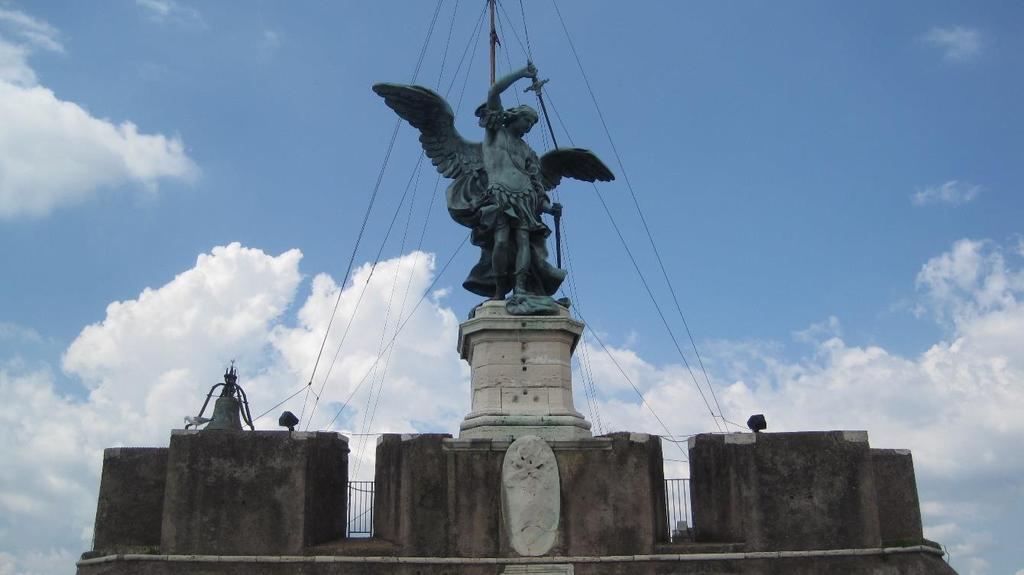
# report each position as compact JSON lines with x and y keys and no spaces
{"x":521,"y":118}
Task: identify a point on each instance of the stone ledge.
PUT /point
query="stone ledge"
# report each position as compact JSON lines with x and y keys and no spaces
{"x":746,"y":438}
{"x":486,"y":444}
{"x":493,"y":308}
{"x":551,"y":425}
{"x":503,"y":328}
{"x":303,"y":435}
{"x":505,"y":413}
{"x":119,"y":451}
{"x":672,"y":557}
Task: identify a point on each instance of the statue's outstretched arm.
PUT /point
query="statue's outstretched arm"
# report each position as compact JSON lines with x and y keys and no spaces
{"x":553,"y":208}
{"x":502,"y":84}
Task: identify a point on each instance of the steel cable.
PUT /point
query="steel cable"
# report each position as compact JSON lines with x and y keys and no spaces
{"x":643,"y":219}
{"x":366,"y":215}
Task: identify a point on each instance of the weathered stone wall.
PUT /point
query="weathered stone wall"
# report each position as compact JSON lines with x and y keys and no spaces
{"x":410,"y":506}
{"x":442,"y":497}
{"x":613,"y":500}
{"x":899,"y":511}
{"x":131,"y":499}
{"x":271,"y":494}
{"x":785,"y":491}
{"x":253,"y":492}
{"x":722,"y":484}
{"x":477,"y":529}
{"x":326,"y":480}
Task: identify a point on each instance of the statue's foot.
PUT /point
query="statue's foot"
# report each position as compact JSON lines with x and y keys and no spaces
{"x":532,"y":305}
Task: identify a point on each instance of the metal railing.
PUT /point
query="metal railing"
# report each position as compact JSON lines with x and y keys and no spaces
{"x":359,"y":522}
{"x":677,"y":505}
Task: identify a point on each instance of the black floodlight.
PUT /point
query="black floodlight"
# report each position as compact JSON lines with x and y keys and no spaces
{"x":757,"y":423}
{"x":288,"y":420}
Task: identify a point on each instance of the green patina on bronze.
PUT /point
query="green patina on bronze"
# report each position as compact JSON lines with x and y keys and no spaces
{"x":499,"y":189}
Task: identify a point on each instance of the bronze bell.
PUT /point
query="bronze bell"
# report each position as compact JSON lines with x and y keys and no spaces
{"x":230,"y":409}
{"x":226,"y":414}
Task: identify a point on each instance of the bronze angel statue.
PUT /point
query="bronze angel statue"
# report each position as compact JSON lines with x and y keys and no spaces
{"x":500,"y":189}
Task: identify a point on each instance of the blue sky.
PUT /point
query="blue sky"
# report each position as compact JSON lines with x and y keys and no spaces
{"x":834,"y":190}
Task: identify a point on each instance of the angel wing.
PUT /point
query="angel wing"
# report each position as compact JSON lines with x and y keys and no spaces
{"x":575,"y":163}
{"x":427,"y":111}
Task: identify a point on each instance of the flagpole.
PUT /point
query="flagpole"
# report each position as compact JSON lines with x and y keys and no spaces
{"x":494,"y":38}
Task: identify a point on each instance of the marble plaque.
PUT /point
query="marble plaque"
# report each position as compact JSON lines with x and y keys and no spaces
{"x":530,"y":495}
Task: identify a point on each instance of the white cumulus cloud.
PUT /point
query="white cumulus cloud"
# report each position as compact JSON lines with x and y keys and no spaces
{"x":970,"y":282}
{"x":34,"y":32}
{"x":417,"y":383}
{"x":14,"y":66}
{"x":958,"y":43}
{"x":151,"y":360}
{"x":953,"y":193}
{"x":170,"y":10}
{"x":54,"y":153}
{"x":144,"y":367}
{"x":225,"y":306}
{"x":956,"y":405}
{"x":14,"y":332}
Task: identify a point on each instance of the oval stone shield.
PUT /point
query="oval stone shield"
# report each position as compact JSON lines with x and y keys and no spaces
{"x":530,"y":499}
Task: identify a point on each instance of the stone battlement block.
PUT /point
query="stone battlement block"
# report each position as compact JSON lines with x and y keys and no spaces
{"x":785,"y":491}
{"x":131,"y":501}
{"x":899,"y":510}
{"x":439,"y":496}
{"x":253,"y":492}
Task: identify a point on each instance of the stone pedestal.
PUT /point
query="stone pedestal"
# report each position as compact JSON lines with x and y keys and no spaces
{"x":253,"y":492}
{"x":521,"y":375}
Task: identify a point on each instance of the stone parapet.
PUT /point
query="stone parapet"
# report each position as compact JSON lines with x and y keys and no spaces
{"x":253,"y":492}
{"x":438,"y":496}
{"x":131,"y":500}
{"x":785,"y":491}
{"x":899,"y":511}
